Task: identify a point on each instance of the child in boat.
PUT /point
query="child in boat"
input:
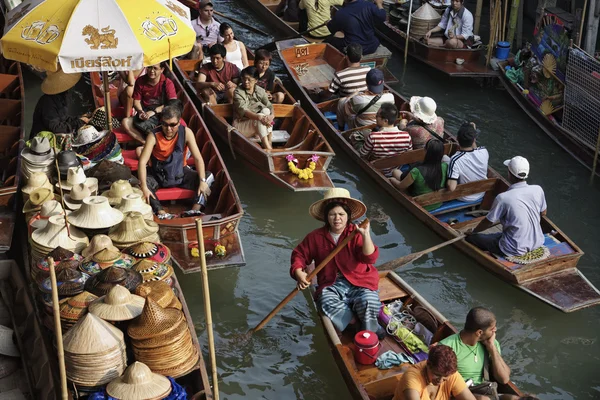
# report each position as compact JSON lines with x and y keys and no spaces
{"x":266,"y":76}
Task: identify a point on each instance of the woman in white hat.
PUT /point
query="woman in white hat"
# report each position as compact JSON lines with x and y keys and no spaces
{"x":348,"y":285}
{"x":422,"y":123}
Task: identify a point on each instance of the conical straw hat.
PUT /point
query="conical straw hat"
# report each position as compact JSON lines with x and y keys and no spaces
{"x":340,"y":195}
{"x":36,"y":180}
{"x":118,"y":305}
{"x":139,"y":382}
{"x":99,"y":242}
{"x":106,"y":256}
{"x":7,"y":345}
{"x":55,"y":234}
{"x":92,"y":335}
{"x":134,"y":202}
{"x":427,"y":13}
{"x":101,"y":283}
{"x":152,"y":251}
{"x":134,"y":228}
{"x":119,"y":189}
{"x":154,"y":321}
{"x":74,"y":307}
{"x":95,"y":213}
{"x":160,"y":292}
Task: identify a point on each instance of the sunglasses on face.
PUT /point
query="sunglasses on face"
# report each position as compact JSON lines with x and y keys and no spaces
{"x":167,"y":125}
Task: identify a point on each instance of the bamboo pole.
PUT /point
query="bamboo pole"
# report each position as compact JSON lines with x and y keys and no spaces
{"x":207,"y":310}
{"x":512,"y":24}
{"x":520,"y":26}
{"x":595,"y":163}
{"x":107,"y":105}
{"x":477,"y":16}
{"x":582,"y":23}
{"x":62,"y":195}
{"x":58,"y":332}
{"x":504,"y":21}
{"x":407,"y":33}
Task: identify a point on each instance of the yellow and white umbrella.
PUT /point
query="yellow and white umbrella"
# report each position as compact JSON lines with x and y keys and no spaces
{"x":97,"y":35}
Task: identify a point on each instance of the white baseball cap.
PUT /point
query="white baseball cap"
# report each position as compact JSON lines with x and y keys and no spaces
{"x":518,"y":166}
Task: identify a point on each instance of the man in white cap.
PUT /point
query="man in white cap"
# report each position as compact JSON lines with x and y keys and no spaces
{"x":519,"y":210}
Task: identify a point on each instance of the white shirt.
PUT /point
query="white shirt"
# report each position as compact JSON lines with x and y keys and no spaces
{"x":518,"y":210}
{"x":469,"y":166}
{"x":460,"y":23}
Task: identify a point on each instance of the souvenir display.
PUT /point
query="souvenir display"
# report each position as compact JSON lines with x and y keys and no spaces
{"x":118,"y":305}
{"x":133,"y":229}
{"x":39,"y":157}
{"x":160,"y":292}
{"x":95,"y":213}
{"x":152,"y":271}
{"x":75,"y":176}
{"x":101,"y":283}
{"x":106,"y":258}
{"x":119,"y":189}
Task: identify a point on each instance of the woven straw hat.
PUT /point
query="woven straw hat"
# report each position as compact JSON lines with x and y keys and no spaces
{"x":118,"y":305}
{"x":154,"y":321}
{"x":119,"y":189}
{"x":423,"y":108}
{"x":427,"y":13}
{"x":69,"y":282}
{"x":133,"y":229}
{"x":49,"y":208}
{"x":55,"y":234}
{"x":95,"y":213}
{"x":107,"y":258}
{"x":92,"y":335}
{"x":134,"y":202}
{"x":156,"y":252}
{"x":153,"y":271}
{"x":139,"y":382}
{"x":59,"y":81}
{"x":7,"y":345}
{"x":8,"y":365}
{"x":36,"y":198}
{"x":75,"y":176}
{"x":101,"y":283}
{"x":160,"y":292}
{"x":88,"y":134}
{"x":99,"y":242}
{"x":341,"y":195}
{"x":75,"y":307}
{"x":36,"y":180}
{"x":74,"y":199}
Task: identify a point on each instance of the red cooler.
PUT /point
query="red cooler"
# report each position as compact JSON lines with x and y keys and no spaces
{"x":367,"y":347}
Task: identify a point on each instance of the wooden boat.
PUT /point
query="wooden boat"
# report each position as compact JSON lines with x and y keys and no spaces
{"x":223,"y":209}
{"x":296,"y":135}
{"x":11,"y":132}
{"x":554,"y":280}
{"x":367,"y":382}
{"x":580,"y":151}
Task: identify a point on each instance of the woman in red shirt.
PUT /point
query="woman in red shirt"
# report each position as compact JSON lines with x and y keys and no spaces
{"x":349,"y":283}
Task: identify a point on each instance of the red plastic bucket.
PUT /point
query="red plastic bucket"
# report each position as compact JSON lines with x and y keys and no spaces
{"x":367,"y":346}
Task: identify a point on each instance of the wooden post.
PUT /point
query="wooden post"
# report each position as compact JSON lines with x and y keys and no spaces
{"x":407,"y":32}
{"x":503,"y":33}
{"x":582,"y":23}
{"x":478,"y":16}
{"x":591,"y":30}
{"x":595,"y":163}
{"x":207,"y":310}
{"x":107,"y":107}
{"x":58,"y":332}
{"x":520,"y":26}
{"x":512,"y":24}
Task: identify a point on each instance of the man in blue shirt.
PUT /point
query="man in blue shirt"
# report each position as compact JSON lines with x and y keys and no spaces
{"x":355,"y":23}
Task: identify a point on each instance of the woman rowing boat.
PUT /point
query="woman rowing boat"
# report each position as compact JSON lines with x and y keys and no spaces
{"x":349,"y":283}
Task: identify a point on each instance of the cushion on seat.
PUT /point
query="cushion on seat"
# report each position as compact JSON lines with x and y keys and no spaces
{"x":166,"y":194}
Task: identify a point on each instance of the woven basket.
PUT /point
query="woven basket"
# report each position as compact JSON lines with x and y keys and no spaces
{"x":154,"y":321}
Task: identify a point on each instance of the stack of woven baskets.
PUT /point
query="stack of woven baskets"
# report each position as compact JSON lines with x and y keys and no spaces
{"x":423,"y":20}
{"x":161,"y":339}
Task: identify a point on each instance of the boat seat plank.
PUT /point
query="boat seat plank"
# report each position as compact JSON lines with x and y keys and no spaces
{"x":317,"y":76}
{"x":461,"y":190}
{"x":556,"y":248}
{"x":454,"y":205}
{"x":389,"y":290}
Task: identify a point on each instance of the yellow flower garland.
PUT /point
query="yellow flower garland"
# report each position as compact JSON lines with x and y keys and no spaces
{"x":305,"y":173}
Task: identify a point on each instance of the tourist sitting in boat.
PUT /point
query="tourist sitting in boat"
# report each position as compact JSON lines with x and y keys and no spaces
{"x":125,"y":90}
{"x":353,"y":78}
{"x":236,"y":50}
{"x":386,"y":140}
{"x":167,"y":147}
{"x":150,"y":94}
{"x":266,"y":76}
{"x":427,"y":177}
{"x":360,"y":109}
{"x":218,"y":79}
{"x":519,"y":210}
{"x":472,"y":346}
{"x":436,"y":378}
{"x":52,"y":109}
{"x":355,"y":23}
{"x":253,"y":112}
{"x":348,"y":285}
{"x":469,"y":163}
{"x":457,"y":25}
{"x":318,"y":12}
{"x":421,"y":122}
{"x":288,"y":10}
{"x":207,"y":31}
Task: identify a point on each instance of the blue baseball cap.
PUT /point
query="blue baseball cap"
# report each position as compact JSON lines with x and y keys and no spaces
{"x":375,"y":80}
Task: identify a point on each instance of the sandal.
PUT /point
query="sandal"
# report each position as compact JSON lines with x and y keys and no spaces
{"x":191,"y":213}
{"x":165,"y":216}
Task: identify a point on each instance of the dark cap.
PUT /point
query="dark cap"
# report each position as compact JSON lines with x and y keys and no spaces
{"x":375,"y":80}
{"x":467,"y":134}
{"x":204,"y":3}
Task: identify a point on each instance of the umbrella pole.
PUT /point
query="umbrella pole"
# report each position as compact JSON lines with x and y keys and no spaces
{"x":407,"y":33}
{"x":207,"y":310}
{"x":106,"y":86}
{"x":58,"y":332}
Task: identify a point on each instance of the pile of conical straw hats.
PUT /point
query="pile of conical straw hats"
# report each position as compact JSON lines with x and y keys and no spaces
{"x":94,"y":352}
{"x":74,"y":308}
{"x":118,"y":305}
{"x":160,"y":292}
{"x":139,"y":383}
{"x":423,"y":20}
{"x":161,"y":339}
{"x":132,"y":230}
{"x":101,"y":283}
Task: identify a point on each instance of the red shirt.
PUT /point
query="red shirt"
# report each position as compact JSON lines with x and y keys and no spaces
{"x":226,"y":74}
{"x":152,"y":96}
{"x":357,"y":268}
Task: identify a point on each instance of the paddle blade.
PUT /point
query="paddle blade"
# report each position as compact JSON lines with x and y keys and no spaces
{"x":399,"y":262}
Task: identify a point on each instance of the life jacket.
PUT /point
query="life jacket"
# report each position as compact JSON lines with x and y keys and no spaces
{"x":169,"y":172}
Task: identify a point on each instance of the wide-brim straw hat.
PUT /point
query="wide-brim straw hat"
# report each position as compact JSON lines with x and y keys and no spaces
{"x":36,"y":180}
{"x":39,"y":153}
{"x":48,"y":209}
{"x":101,"y":283}
{"x":134,"y":202}
{"x":88,"y":134}
{"x":59,"y":81}
{"x":95,"y":213}
{"x":68,"y":283}
{"x":153,"y":271}
{"x":75,"y":176}
{"x":8,"y":365}
{"x":339,"y":195}
{"x":92,"y":335}
{"x":139,"y":382}
{"x":133,"y":229}
{"x":423,"y":108}
{"x":118,"y":305}
{"x":55,"y":234}
{"x":7,"y":345}
{"x":36,"y":198}
{"x":154,"y":321}
{"x":93,"y":267}
{"x":75,"y":307}
{"x":119,"y":189}
{"x":98,"y":243}
{"x":160,"y":292}
{"x":152,"y":251}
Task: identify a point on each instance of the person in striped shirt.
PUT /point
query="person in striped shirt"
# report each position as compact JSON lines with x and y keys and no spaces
{"x":387,"y":140}
{"x":353,"y":78}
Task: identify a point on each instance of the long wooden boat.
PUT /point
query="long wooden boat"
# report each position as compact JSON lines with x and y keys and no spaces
{"x":296,"y":135}
{"x":11,"y":134}
{"x":367,"y":382}
{"x":580,"y":151}
{"x":554,"y":280}
{"x":223,"y":210}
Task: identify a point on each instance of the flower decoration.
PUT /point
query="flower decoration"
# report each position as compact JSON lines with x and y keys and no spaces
{"x":220,"y":250}
{"x":306,"y":173}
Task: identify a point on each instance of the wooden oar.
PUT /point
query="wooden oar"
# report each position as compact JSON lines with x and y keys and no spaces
{"x":308,"y":278}
{"x":241,"y":23}
{"x":272,"y":46}
{"x":58,"y":332}
{"x":207,"y":310}
{"x":398,"y":262}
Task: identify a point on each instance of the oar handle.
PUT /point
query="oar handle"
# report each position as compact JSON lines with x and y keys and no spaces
{"x":399,"y":262}
{"x":270,"y":45}
{"x":309,"y":277}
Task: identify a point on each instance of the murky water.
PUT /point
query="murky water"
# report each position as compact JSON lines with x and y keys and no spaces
{"x":552,"y":354}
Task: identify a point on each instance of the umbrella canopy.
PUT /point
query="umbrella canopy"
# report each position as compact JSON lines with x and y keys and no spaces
{"x":97,"y":35}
